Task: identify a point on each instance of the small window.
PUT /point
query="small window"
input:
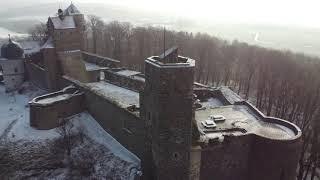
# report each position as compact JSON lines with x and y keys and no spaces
{"x":15,"y":69}
{"x":176,"y":156}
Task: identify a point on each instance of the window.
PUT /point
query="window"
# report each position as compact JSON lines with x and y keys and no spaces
{"x":15,"y":69}
{"x":176,"y":156}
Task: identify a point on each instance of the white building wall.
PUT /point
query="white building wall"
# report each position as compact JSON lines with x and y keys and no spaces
{"x":13,"y":73}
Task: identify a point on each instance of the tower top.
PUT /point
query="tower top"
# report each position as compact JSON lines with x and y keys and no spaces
{"x":11,"y":50}
{"x":71,"y":10}
{"x":170,"y":58}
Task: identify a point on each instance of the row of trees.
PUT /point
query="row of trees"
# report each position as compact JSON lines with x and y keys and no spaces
{"x":281,"y":83}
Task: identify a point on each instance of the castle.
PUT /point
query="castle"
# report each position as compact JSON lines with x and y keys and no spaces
{"x":179,"y":129}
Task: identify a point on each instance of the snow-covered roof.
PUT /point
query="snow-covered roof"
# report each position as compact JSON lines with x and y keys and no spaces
{"x":127,"y":72}
{"x":66,"y":23}
{"x":30,"y":47}
{"x":122,"y":96}
{"x":71,"y":10}
{"x":48,"y":44}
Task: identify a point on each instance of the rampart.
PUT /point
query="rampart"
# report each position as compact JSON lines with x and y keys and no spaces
{"x":100,"y":60}
{"x":122,"y":122}
{"x":36,"y":75}
{"x":134,"y":83}
{"x":252,"y":156}
{"x":46,"y":111}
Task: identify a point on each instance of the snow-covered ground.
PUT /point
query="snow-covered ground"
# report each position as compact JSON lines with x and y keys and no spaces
{"x":30,"y":153}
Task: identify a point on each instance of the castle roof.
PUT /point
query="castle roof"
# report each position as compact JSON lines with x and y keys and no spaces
{"x":11,"y":50}
{"x":66,"y":23}
{"x":71,"y":10}
{"x":48,"y":44}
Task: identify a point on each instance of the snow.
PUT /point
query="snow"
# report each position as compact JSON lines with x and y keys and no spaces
{"x":91,"y":66}
{"x":212,"y":103}
{"x":48,"y":44}
{"x":29,"y":46}
{"x":128,"y":72}
{"x":93,"y":130}
{"x":110,"y":156}
{"x":241,"y":117}
{"x":14,"y":109}
{"x":66,"y":23}
{"x":52,"y":99}
{"x":231,"y":96}
{"x":120,"y":95}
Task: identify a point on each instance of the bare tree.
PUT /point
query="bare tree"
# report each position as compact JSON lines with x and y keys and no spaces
{"x":96,"y":25}
{"x":65,"y":131}
{"x":38,"y":32}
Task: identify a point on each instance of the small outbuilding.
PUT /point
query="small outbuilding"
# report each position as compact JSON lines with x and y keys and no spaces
{"x":12,"y":65}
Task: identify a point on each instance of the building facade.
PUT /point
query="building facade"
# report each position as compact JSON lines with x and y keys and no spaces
{"x":11,"y":61}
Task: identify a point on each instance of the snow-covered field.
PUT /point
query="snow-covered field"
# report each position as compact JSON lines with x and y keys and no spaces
{"x":27,"y":153}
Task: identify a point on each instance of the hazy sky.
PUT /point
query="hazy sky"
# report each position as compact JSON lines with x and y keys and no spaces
{"x":283,"y":12}
{"x":287,"y":12}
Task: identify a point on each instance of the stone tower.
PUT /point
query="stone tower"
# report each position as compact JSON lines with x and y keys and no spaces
{"x":67,"y":29}
{"x":11,"y":61}
{"x":166,"y":107}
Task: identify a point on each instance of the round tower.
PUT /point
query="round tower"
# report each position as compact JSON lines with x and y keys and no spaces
{"x":11,"y":62}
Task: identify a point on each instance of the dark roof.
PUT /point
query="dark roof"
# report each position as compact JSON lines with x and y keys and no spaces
{"x":169,"y":52}
{"x":11,"y":50}
{"x":71,"y":10}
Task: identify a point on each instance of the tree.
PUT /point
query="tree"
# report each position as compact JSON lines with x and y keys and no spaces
{"x":38,"y":32}
{"x":96,"y":25}
{"x":65,"y":130}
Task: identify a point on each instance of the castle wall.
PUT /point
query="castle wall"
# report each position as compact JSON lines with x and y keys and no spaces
{"x":52,"y":69}
{"x":125,"y":126}
{"x":73,"y":66}
{"x":46,"y":111}
{"x":272,"y":159}
{"x":67,"y":39}
{"x":37,"y":75}
{"x":252,"y":157}
{"x":100,"y":60}
{"x":124,"y":81}
{"x":13,"y":73}
{"x":227,"y":160}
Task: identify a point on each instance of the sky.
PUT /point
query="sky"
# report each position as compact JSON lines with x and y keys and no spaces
{"x":302,"y":13}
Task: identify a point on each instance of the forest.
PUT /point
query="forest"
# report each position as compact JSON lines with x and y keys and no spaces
{"x":282,"y":84}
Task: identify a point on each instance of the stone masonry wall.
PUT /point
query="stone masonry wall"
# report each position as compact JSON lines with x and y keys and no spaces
{"x":124,"y":81}
{"x":100,"y":60}
{"x":47,"y":115}
{"x":227,"y":160}
{"x":37,"y":75}
{"x":125,"y":126}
